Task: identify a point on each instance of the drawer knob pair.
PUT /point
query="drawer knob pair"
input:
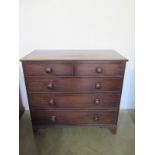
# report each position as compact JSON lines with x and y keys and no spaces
{"x":98,"y":85}
{"x":48,"y":70}
{"x":97,"y":101}
{"x":96,"y":117}
{"x":51,"y":102}
{"x":53,"y":119}
{"x":50,"y":85}
{"x":99,"y":70}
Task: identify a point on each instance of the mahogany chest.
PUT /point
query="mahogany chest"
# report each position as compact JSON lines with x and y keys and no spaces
{"x":74,"y":87}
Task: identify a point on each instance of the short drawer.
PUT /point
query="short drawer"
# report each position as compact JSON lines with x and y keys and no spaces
{"x":35,"y":84}
{"x":47,"y":69}
{"x":75,"y":117}
{"x":91,"y":101}
{"x":102,"y":69}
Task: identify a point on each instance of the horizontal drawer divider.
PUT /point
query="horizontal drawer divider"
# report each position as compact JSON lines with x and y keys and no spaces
{"x":72,"y":76}
{"x":79,"y":92}
{"x":75,"y":109}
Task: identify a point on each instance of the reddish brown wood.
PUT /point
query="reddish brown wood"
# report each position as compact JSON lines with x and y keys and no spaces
{"x":40,"y":69}
{"x":113,"y":130}
{"x":68,"y":84}
{"x":99,"y":69}
{"x":73,"y":117}
{"x":56,"y":55}
{"x":83,"y":101}
{"x":74,"y":91}
{"x":35,"y":130}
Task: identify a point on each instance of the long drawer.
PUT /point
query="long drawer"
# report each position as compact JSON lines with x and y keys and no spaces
{"x":41,"y":84}
{"x":56,"y":100}
{"x":74,"y":117}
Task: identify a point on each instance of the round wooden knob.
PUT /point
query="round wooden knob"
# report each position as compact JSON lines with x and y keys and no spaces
{"x":51,"y":102}
{"x":97,"y":101}
{"x":53,"y":119}
{"x":48,"y":70}
{"x":99,"y":70}
{"x":50,"y":86}
{"x":96,"y":117}
{"x":98,"y":86}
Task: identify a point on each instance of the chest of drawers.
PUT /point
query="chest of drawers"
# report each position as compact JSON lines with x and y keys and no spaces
{"x":74,"y":87}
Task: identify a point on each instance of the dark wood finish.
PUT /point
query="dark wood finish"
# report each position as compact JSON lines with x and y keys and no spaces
{"x":101,"y":69}
{"x":35,"y":130}
{"x":41,"y":84}
{"x":47,"y":69}
{"x":73,"y":55}
{"x":113,"y":130}
{"x":74,"y":88}
{"x":73,"y":117}
{"x":71,"y":101}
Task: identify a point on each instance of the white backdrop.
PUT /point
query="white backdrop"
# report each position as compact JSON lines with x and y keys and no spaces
{"x":80,"y":24}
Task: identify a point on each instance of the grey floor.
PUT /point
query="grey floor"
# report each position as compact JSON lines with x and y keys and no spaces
{"x":78,"y":141}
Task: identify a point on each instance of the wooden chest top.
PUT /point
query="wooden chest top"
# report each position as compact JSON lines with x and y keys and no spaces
{"x":43,"y":55}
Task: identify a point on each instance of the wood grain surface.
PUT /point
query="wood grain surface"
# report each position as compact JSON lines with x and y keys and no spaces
{"x":74,"y":87}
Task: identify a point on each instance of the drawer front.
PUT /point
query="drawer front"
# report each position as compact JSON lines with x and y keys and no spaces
{"x":99,"y":69}
{"x":73,"y":117}
{"x":35,"y":84}
{"x":47,"y":69}
{"x":52,"y":100}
